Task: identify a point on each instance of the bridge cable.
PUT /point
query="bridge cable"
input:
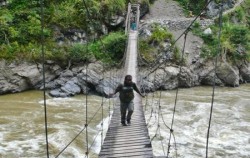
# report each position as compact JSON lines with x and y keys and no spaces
{"x":86,"y":124}
{"x":102,"y":124}
{"x":86,"y":117}
{"x":184,"y":33}
{"x":100,"y":107}
{"x":86,"y":112}
{"x":152,"y":102}
{"x":89,"y":122}
{"x":160,"y":115}
{"x":177,"y":90}
{"x":214,"y":77}
{"x":44,"y":86}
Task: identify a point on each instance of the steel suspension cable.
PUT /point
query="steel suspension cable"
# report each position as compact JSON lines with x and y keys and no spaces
{"x":160,"y":113}
{"x":102,"y":124}
{"x":90,"y":121}
{"x":214,"y":77}
{"x":176,"y":95}
{"x":86,"y":102}
{"x":152,"y":101}
{"x":44,"y":86}
{"x":86,"y":108}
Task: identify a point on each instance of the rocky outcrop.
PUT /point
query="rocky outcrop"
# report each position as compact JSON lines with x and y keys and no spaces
{"x":244,"y":71}
{"x":228,"y":74}
{"x":17,"y":77}
{"x":3,"y":2}
{"x":213,"y":8}
{"x":59,"y":82}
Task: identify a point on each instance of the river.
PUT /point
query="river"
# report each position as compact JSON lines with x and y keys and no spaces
{"x":22,"y":129}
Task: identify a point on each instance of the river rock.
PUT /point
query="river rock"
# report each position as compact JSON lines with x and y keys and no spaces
{"x":106,"y":86}
{"x":228,"y":74}
{"x":245,"y":72}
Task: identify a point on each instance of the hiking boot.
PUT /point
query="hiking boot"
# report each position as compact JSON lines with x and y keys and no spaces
{"x":123,"y":123}
{"x":128,"y":122}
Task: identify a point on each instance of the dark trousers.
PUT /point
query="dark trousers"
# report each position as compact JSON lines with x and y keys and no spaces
{"x":124,"y":108}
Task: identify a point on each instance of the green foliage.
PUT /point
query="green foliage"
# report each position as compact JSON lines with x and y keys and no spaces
{"x":149,"y":48}
{"x":192,"y":5}
{"x":20,"y":29}
{"x":176,"y":55}
{"x":146,"y":50}
{"x":159,"y":35}
{"x":235,"y":36}
{"x":113,"y":6}
{"x":79,"y":52}
{"x":232,"y":37}
{"x":110,"y":48}
{"x":64,"y":15}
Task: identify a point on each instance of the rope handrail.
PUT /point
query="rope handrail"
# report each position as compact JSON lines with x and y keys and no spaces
{"x":85,"y":125}
{"x":176,"y":95}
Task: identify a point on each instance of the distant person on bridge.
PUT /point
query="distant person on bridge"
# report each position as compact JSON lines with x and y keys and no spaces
{"x":126,"y":98}
{"x":133,"y":26}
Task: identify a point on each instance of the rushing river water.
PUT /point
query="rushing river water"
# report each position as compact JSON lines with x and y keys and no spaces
{"x":22,"y":129}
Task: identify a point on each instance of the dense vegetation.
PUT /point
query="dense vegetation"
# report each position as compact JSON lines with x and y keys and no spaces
{"x":195,"y":6}
{"x":151,"y":48}
{"x":235,"y":36}
{"x":20,"y":29}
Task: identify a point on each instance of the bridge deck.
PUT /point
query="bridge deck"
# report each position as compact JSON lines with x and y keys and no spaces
{"x":133,"y":140}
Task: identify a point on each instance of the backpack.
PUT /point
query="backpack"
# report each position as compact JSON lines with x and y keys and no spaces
{"x":126,"y":93}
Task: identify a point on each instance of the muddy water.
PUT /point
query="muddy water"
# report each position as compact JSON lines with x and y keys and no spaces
{"x":22,"y":132}
{"x":230,"y":127}
{"x":22,"y":128}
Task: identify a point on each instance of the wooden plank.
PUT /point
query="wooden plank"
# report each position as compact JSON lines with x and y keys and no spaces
{"x":127,"y":152}
{"x":142,"y":154}
{"x":121,"y":144}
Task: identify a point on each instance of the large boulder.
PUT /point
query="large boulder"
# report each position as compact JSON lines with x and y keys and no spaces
{"x":228,"y":74}
{"x":106,"y":86}
{"x":70,"y":88}
{"x":17,"y":77}
{"x":187,"y":78}
{"x":245,"y":73}
{"x":213,"y":8}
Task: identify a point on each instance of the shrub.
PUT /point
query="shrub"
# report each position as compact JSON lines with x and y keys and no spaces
{"x":159,"y":35}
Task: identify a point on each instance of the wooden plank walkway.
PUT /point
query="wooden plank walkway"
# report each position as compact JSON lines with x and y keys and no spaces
{"x":133,"y":140}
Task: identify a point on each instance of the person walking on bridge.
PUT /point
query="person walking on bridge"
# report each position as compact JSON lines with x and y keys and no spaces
{"x":126,"y":98}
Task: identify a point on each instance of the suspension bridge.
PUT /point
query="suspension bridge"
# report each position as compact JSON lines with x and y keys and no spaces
{"x":132,"y":140}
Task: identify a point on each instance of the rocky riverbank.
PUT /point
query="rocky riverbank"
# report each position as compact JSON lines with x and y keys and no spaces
{"x":18,"y":77}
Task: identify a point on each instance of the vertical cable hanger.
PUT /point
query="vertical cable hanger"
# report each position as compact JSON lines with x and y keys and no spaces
{"x":86,"y":98}
{"x":177,"y":90}
{"x":44,"y":92}
{"x":86,"y":113}
{"x":215,"y":70}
